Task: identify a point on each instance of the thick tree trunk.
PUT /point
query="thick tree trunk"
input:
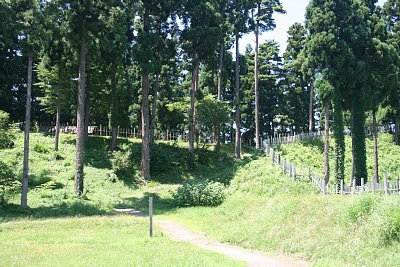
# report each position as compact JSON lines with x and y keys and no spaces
{"x":256,"y":93}
{"x":376,"y":162}
{"x":145,"y":164}
{"x":57,"y":135}
{"x":154,"y":109}
{"x":339,"y":138}
{"x":192,"y":106}
{"x":311,"y":109}
{"x":237,"y":90}
{"x":326,"y":146}
{"x":358,"y":136}
{"x":80,"y":137}
{"x":24,"y":193}
{"x":114,"y":133}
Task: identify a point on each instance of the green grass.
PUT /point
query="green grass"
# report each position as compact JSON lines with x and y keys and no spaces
{"x":309,"y":153}
{"x":264,"y":210}
{"x":270,"y":213}
{"x":97,"y":241}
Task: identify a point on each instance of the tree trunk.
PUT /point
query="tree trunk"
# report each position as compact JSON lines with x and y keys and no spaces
{"x":24,"y":193}
{"x":145,"y":164}
{"x":311,"y":110}
{"x":154,"y":109}
{"x":376,"y":177}
{"x":326,"y":146}
{"x":237,"y":119}
{"x":114,"y":133}
{"x":358,"y":136}
{"x":339,"y":138}
{"x":80,"y":137}
{"x":192,"y":107}
{"x":396,"y":134}
{"x":57,"y":136}
{"x":221,"y":63}
{"x":256,"y":93}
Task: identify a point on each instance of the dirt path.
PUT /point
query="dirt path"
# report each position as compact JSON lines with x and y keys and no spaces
{"x":252,"y":258}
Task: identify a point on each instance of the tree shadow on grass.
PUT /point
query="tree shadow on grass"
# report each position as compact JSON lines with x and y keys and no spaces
{"x":60,"y":210}
{"x":314,"y":142}
{"x":160,"y":205}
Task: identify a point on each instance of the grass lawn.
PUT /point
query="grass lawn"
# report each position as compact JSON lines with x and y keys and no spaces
{"x":97,"y":241}
{"x":264,"y":210}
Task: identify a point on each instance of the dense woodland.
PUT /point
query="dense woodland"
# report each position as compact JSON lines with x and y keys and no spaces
{"x":165,"y":64}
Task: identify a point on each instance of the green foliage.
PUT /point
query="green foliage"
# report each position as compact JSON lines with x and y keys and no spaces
{"x":205,"y":193}
{"x":121,"y":160}
{"x":361,"y":207}
{"x":41,"y":148}
{"x":390,"y":230}
{"x":6,"y":136}
{"x":8,"y":183}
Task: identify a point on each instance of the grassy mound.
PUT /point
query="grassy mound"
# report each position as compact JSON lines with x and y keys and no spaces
{"x":309,"y":153}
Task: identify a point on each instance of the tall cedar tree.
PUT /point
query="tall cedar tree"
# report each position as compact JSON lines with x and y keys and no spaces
{"x":264,"y":22}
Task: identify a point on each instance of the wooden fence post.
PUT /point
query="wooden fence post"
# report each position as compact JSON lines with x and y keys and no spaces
{"x":385,"y":183}
{"x":151,"y":215}
{"x":342,"y":186}
{"x":362,"y":184}
{"x":353,"y":190}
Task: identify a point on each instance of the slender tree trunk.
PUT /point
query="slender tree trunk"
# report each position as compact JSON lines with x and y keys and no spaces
{"x":57,"y":136}
{"x":145,"y":164}
{"x":114,"y":133}
{"x":192,"y":106}
{"x":256,"y":91}
{"x":352,"y":151}
{"x":311,"y":110}
{"x":397,"y":133}
{"x":326,"y":146}
{"x":24,"y":193}
{"x":376,"y":178}
{"x":221,"y":63}
{"x":237,"y":119}
{"x":80,"y":137}
{"x":154,"y":109}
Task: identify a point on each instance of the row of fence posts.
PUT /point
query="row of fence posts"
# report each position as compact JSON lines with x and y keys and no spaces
{"x":100,"y":130}
{"x":293,"y":172}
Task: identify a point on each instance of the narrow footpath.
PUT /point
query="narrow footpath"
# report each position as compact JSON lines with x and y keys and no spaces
{"x":252,"y":258}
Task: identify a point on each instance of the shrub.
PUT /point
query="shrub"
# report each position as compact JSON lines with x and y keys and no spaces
{"x":121,"y":162}
{"x":360,"y":207}
{"x":41,"y":148}
{"x":390,"y":229}
{"x":6,"y":137}
{"x":8,"y":183}
{"x":205,"y":193}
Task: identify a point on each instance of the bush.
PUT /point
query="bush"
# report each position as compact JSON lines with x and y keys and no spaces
{"x":360,"y":207}
{"x":6,"y":137}
{"x":40,"y":148}
{"x":8,"y":183}
{"x":390,"y":229}
{"x":121,"y":162}
{"x":205,"y":193}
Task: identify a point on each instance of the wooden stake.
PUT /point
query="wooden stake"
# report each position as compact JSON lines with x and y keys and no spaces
{"x":151,"y":215}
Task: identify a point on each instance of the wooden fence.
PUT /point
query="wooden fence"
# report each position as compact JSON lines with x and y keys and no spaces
{"x":295,"y":172}
{"x":121,"y":132}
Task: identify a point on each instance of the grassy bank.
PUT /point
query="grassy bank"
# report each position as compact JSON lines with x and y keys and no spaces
{"x":309,"y":153}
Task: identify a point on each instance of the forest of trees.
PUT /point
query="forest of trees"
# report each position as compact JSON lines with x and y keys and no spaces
{"x":165,"y":64}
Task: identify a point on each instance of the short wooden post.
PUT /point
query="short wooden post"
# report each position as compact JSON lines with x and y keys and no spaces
{"x":362,"y":184}
{"x":385,"y":184}
{"x":342,"y":186}
{"x":353,"y":190}
{"x":151,"y":215}
{"x":294,"y":172}
{"x":323,"y":186}
{"x":100,"y":131}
